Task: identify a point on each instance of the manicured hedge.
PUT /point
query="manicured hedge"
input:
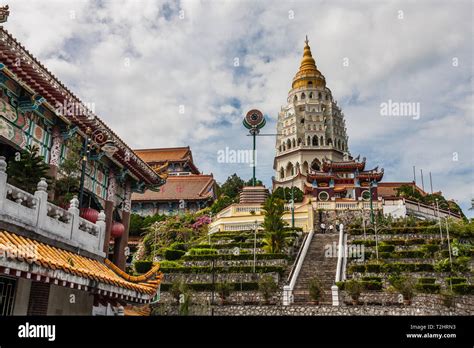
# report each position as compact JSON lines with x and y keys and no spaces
{"x":391,"y":267}
{"x":428,"y":288}
{"x":222,"y":269}
{"x":250,"y":286}
{"x":172,"y":255}
{"x":455,"y":280}
{"x":463,"y":289}
{"x":202,"y":251}
{"x":242,"y":245}
{"x":426,"y":280}
{"x":367,"y":285}
{"x":143,"y":266}
{"x":397,"y":230}
{"x":386,"y":248}
{"x":234,"y":257}
{"x":367,"y":243}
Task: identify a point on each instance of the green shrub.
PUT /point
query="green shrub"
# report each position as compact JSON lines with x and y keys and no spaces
{"x":357,"y":269}
{"x":428,"y":288}
{"x":374,"y":278}
{"x":373,"y":267}
{"x":221,"y":269}
{"x":169,"y":264}
{"x":408,"y":254}
{"x":455,"y":280}
{"x":367,"y":243}
{"x":371,"y":285}
{"x":202,"y":251}
{"x":353,"y":288}
{"x":267,"y":287}
{"x":463,"y":289}
{"x":142,"y":266}
{"x":430,"y":248}
{"x":403,"y":284}
{"x":250,"y":286}
{"x":234,"y":257}
{"x":414,"y":241}
{"x":395,"y":242}
{"x":386,"y":248}
{"x":426,"y":280}
{"x":172,"y":255}
{"x":385,"y":255}
{"x":315,"y":289}
{"x":224,"y":289}
{"x":178,"y":246}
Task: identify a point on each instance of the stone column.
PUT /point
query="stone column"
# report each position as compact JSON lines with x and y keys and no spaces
{"x":122,"y":241}
{"x":55,"y":156}
{"x":109,"y":210}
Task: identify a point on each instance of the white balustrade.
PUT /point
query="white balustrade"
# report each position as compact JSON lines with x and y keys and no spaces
{"x":34,"y":213}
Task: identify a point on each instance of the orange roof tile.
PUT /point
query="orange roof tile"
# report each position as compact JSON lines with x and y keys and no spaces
{"x":187,"y":187}
{"x":55,"y":258}
{"x":164,"y":154}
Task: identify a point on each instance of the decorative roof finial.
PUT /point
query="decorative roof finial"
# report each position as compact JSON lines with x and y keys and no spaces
{"x":306,"y":41}
{"x":4,"y":13}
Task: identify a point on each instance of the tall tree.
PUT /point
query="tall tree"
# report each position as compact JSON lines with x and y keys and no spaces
{"x":273,"y":224}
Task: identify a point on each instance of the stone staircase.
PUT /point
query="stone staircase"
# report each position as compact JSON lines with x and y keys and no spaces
{"x":317,"y":265}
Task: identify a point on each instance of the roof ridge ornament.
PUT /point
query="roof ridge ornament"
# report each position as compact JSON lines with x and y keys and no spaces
{"x":4,"y":12}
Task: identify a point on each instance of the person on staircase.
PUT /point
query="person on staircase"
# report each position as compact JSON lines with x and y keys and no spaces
{"x":331,"y":228}
{"x":323,"y":227}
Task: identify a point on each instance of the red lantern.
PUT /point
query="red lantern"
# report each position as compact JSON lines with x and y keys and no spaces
{"x":90,"y":214}
{"x":117,"y":229}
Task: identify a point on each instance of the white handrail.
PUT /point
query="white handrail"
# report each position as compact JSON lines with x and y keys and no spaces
{"x":288,"y":289}
{"x":340,"y":253}
{"x":341,"y":264}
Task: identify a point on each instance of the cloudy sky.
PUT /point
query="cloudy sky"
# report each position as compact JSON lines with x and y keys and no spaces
{"x":165,"y":74}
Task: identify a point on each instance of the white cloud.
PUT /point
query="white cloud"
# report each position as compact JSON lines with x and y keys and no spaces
{"x":140,"y":63}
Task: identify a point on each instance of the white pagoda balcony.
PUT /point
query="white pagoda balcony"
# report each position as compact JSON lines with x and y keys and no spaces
{"x":33,"y":214}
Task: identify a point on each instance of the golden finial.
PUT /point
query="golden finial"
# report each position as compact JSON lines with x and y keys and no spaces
{"x":306,"y":41}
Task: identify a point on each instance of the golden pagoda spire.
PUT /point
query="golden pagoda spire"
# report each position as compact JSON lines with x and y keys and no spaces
{"x":308,"y":69}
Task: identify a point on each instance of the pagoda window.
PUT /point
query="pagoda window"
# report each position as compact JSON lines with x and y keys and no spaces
{"x":320,"y":96}
{"x":282,"y":173}
{"x":305,"y":167}
{"x":339,"y":144}
{"x":295,"y":98}
{"x":308,"y":141}
{"x":316,"y":165}
{"x":298,"y":170}
{"x":299,"y":141}
{"x":321,"y":140}
{"x":310,"y":84}
{"x":302,"y":121}
{"x":294,"y":143}
{"x":288,"y":144}
{"x":303,"y":96}
{"x":315,"y":140}
{"x":284,"y":148}
{"x":311,"y":95}
{"x":279,"y":148}
{"x":289,"y":169}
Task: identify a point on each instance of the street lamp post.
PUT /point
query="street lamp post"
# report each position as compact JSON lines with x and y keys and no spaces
{"x":255,"y":246}
{"x":439,"y":221}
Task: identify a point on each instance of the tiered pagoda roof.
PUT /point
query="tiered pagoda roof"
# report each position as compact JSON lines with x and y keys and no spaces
{"x":343,"y":166}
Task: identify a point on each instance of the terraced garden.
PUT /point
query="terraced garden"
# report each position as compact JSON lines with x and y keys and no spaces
{"x":412,"y":260}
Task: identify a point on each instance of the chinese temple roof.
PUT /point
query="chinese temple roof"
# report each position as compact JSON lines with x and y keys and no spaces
{"x":65,"y":268}
{"x":343,"y":166}
{"x":168,"y":154}
{"x":38,"y":80}
{"x":186,"y":187}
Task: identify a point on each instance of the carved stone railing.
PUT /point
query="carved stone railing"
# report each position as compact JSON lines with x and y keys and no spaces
{"x":33,"y":213}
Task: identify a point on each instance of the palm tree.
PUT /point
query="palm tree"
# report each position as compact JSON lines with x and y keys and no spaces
{"x":273,"y":225}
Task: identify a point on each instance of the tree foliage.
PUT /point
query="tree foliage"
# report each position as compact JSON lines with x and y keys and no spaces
{"x":26,"y":171}
{"x":273,"y":225}
{"x":285,"y":194}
